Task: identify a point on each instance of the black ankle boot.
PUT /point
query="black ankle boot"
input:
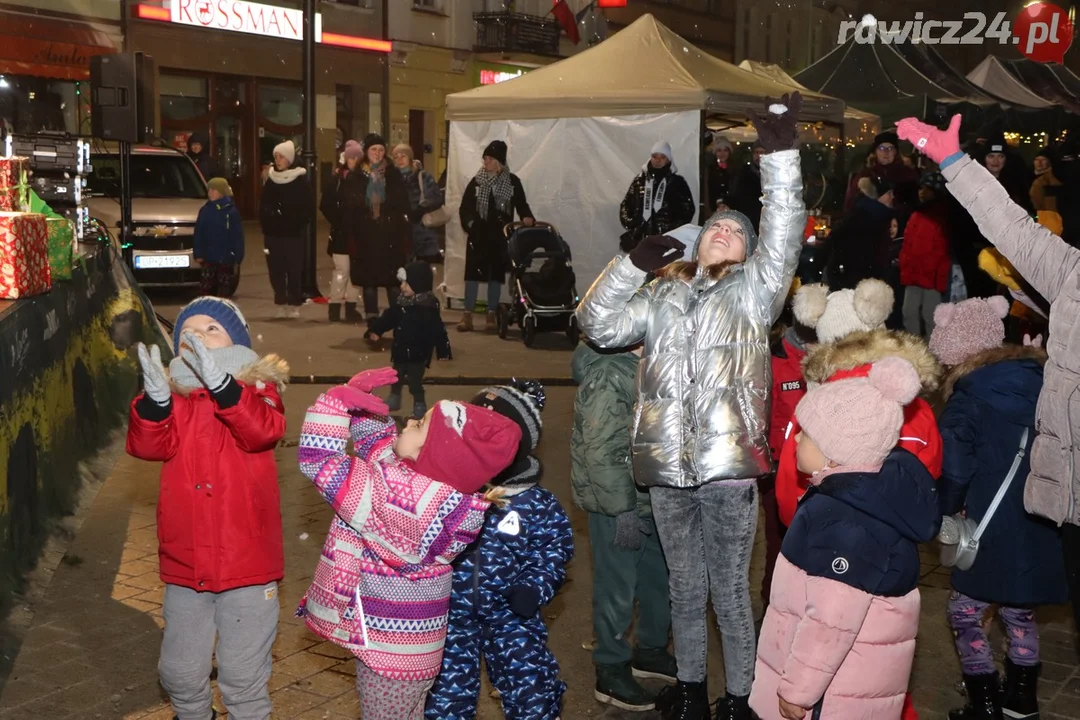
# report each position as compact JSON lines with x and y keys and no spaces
{"x":684,"y":701}
{"x":335,"y":312}
{"x":1020,"y":698}
{"x":734,"y":707}
{"x":351,"y":316}
{"x":984,"y":699}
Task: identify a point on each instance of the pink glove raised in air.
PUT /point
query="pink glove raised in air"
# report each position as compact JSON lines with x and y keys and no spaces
{"x":927,"y":139}
{"x":359,"y":400}
{"x":368,"y":380}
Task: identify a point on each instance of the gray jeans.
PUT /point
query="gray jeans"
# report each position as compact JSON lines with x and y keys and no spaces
{"x":919,"y":306}
{"x":708,"y":535}
{"x":244,"y":622}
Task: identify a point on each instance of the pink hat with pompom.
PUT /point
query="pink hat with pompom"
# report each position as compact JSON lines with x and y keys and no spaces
{"x":965,"y":328}
{"x":856,"y":422}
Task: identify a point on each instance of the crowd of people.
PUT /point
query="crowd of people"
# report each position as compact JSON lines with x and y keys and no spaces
{"x":696,"y":406}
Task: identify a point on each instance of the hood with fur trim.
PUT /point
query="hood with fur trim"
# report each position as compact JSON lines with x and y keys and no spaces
{"x":267,"y":369}
{"x":988,"y":357}
{"x":866,"y":347}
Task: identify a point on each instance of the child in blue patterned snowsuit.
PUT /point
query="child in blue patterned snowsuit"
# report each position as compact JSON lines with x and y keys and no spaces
{"x":514,"y":568}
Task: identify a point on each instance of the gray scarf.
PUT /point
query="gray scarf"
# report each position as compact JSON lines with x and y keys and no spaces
{"x":488,"y":185}
{"x":231,"y":359}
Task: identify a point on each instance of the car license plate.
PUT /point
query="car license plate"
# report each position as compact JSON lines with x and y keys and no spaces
{"x":147,"y":262}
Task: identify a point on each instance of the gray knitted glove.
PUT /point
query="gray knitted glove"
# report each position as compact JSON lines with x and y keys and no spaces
{"x":155,"y":381}
{"x":628,"y":531}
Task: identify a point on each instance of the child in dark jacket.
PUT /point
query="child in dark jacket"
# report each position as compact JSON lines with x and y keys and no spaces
{"x":214,"y":420}
{"x":500,"y":583}
{"x":219,"y":240}
{"x":991,"y":390}
{"x":418,"y":331}
{"x":838,"y":639}
{"x":925,"y":266}
{"x":628,"y":563}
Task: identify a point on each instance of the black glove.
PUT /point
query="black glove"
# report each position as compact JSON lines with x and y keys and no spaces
{"x":628,"y":531}
{"x":524,"y":600}
{"x":656,"y":251}
{"x":779,"y":132}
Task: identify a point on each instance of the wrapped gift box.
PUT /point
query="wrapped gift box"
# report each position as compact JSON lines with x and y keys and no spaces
{"x":15,"y":184}
{"x":24,"y":255}
{"x":61,"y":233}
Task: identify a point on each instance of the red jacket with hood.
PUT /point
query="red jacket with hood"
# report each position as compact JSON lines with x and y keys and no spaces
{"x":924,"y":256}
{"x":851,"y":356}
{"x":788,"y":388}
{"x":218,"y":513}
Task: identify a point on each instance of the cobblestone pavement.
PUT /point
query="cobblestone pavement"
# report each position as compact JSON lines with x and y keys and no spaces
{"x":95,"y":623}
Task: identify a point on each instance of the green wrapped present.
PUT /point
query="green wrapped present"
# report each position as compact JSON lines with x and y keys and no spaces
{"x":61,"y":233}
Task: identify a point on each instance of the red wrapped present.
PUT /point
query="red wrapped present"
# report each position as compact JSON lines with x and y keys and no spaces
{"x":24,"y":255}
{"x":15,"y":184}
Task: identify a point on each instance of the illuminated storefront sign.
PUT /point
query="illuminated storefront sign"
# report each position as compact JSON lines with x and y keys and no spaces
{"x":253,"y":19}
{"x":494,"y":77}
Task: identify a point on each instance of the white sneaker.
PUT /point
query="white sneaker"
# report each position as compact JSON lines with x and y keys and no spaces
{"x":294,"y":311}
{"x":282,"y":312}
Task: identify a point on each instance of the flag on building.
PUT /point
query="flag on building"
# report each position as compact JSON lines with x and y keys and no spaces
{"x":565,"y":16}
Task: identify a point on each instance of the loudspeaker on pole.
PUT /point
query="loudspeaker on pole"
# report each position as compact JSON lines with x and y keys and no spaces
{"x":124,"y":97}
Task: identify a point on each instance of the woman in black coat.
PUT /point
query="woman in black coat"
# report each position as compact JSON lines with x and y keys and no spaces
{"x":333,"y":209}
{"x":374,"y":218}
{"x":658,"y":200}
{"x":490,"y":200}
{"x":285,"y":210}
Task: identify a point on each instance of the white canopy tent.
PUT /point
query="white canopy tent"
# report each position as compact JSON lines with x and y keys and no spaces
{"x":991,"y":75}
{"x":579,"y":130}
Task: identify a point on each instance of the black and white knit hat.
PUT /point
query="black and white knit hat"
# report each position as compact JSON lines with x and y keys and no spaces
{"x":521,"y":401}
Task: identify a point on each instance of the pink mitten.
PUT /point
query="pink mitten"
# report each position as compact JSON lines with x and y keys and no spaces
{"x":368,"y":380}
{"x":927,"y":139}
{"x":355,"y":399}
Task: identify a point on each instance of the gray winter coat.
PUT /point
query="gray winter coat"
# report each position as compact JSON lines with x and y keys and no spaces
{"x":1053,"y":268}
{"x":704,"y":378}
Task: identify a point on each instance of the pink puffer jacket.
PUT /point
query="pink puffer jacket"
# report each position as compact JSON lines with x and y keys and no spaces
{"x":821,"y":638}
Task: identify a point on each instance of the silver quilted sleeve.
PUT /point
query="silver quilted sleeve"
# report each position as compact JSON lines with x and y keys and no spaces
{"x":783,"y":218}
{"x":615,"y":311}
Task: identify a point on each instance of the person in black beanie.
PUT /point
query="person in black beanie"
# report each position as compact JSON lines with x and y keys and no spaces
{"x":418,"y":332}
{"x":489,"y":203}
{"x":514,"y":568}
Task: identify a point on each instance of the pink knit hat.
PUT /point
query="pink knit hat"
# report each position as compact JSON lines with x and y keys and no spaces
{"x":965,"y":328}
{"x":856,"y":422}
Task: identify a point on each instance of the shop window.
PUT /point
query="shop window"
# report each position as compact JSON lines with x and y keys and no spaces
{"x":229,"y":94}
{"x":281,"y":105}
{"x":183,"y":96}
{"x":33,"y":104}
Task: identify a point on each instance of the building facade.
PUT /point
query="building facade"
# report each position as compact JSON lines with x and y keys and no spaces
{"x":45,"y":51}
{"x":709,"y":24}
{"x":793,"y":34}
{"x":231,"y":71}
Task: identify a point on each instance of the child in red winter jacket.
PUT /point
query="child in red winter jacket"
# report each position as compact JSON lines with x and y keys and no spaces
{"x":406,"y":506}
{"x":214,"y":420}
{"x":925,"y":267}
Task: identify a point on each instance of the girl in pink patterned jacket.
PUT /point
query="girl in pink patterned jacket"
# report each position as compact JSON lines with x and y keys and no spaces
{"x":406,"y":506}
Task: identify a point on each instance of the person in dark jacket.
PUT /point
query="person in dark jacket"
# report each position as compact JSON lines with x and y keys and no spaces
{"x":628,"y":562}
{"x":886,"y":163}
{"x":374,"y":216}
{"x":719,"y":177}
{"x":513,"y":569}
{"x":418,"y":331}
{"x":859,"y":244}
{"x":838,"y":637}
{"x":1009,"y":169}
{"x":925,"y":262}
{"x":489,"y":203}
{"x":424,"y":197}
{"x":745,"y":193}
{"x":658,"y":200}
{"x":990,"y":393}
{"x":332,"y":207}
{"x":286,"y":209}
{"x":199,"y":153}
{"x":218,"y":244}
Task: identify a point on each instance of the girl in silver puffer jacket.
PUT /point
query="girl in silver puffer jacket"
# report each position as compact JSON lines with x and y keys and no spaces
{"x":701,"y":421}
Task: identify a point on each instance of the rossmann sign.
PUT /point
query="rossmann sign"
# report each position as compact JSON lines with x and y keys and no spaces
{"x":240,"y":16}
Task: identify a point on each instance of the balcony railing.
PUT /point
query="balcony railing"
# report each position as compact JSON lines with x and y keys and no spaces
{"x":513,"y":32}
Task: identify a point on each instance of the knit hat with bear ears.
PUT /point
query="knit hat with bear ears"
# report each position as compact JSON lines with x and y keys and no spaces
{"x":837,"y":314}
{"x":965,"y":328}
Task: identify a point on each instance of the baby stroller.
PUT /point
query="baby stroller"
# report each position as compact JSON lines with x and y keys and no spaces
{"x":542,"y":283}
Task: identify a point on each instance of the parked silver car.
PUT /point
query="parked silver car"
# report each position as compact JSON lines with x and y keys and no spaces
{"x":167,"y":193}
